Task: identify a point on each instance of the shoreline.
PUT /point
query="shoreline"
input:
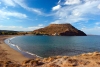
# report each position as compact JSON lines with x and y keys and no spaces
{"x":8,"y":52}
{"x":20,"y":50}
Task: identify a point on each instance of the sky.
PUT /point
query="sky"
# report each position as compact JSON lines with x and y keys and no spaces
{"x":28,"y":15}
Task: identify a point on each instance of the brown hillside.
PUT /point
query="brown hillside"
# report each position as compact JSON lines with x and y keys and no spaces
{"x":60,"y":30}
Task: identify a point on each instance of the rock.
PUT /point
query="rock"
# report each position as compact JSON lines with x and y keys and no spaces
{"x":25,"y":62}
{"x":98,"y":63}
{"x":58,"y":61}
{"x":59,"y":30}
{"x":32,"y":63}
{"x":96,"y":53}
{"x":53,"y":65}
{"x":65,"y":57}
{"x":58,"y":57}
{"x":50,"y":59}
{"x":9,"y":64}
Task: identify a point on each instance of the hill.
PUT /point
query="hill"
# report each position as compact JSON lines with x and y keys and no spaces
{"x":59,"y":30}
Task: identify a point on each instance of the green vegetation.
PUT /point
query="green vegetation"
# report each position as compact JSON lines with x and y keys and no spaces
{"x":7,"y":32}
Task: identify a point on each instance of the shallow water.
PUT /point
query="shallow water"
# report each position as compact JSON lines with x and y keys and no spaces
{"x":45,"y":46}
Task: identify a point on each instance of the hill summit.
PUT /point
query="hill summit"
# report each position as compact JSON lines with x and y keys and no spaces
{"x":59,"y":30}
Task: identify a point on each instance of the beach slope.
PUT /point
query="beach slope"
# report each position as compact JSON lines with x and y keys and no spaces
{"x":8,"y":53}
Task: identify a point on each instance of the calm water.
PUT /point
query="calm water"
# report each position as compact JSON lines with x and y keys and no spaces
{"x":45,"y":46}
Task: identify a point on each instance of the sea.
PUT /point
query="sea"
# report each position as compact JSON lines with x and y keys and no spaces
{"x":45,"y":46}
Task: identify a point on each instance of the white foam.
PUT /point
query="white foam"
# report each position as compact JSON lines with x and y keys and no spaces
{"x":12,"y":38}
{"x":13,"y":44}
{"x":8,"y":41}
{"x":33,"y":54}
{"x":18,"y":47}
{"x":30,"y":53}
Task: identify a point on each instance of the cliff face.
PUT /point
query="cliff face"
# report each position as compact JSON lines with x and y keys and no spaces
{"x":60,"y":30}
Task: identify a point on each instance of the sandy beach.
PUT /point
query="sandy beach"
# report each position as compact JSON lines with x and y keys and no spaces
{"x":7,"y":53}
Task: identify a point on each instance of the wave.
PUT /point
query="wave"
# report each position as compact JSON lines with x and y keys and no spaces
{"x":12,"y":38}
{"x":33,"y":54}
{"x":18,"y":48}
{"x":14,"y":45}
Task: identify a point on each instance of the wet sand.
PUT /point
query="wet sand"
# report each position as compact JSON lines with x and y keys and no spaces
{"x":7,"y":53}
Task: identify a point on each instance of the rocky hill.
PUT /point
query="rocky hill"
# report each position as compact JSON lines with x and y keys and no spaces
{"x":59,"y":30}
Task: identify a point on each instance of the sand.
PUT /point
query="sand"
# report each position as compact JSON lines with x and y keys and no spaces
{"x":7,"y":53}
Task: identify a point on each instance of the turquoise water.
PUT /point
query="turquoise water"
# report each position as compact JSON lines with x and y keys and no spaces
{"x":45,"y":46}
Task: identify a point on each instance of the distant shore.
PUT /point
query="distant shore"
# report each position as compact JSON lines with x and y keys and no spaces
{"x":7,"y":53}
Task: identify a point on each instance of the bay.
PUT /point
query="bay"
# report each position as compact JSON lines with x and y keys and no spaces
{"x":46,"y":46}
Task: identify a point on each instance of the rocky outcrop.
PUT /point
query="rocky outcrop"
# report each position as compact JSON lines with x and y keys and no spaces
{"x":59,"y":30}
{"x":82,"y":60}
{"x":9,"y":64}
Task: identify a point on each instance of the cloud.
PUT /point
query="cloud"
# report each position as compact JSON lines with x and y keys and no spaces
{"x":77,"y":13}
{"x":5,"y":14}
{"x":9,"y":2}
{"x":22,"y":4}
{"x":40,"y":25}
{"x":0,"y":2}
{"x":56,"y":7}
{"x":59,"y":1}
{"x":94,"y":30}
{"x":98,"y":6}
{"x":20,"y":28}
{"x":8,"y":18}
{"x":97,"y":23}
{"x":72,"y":2}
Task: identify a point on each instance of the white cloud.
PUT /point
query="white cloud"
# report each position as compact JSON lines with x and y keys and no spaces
{"x":22,"y":4}
{"x":56,"y":7}
{"x":97,"y":23}
{"x":77,"y":13}
{"x":98,"y":6}
{"x":71,"y":2}
{"x":59,"y":1}
{"x":5,"y":14}
{"x":9,"y":2}
{"x":94,"y":30}
{"x":0,"y":2}
{"x":4,"y":8}
{"x":19,"y":28}
{"x":40,"y":25}
{"x":8,"y":18}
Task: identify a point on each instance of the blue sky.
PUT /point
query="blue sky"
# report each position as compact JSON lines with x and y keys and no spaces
{"x":28,"y":15}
